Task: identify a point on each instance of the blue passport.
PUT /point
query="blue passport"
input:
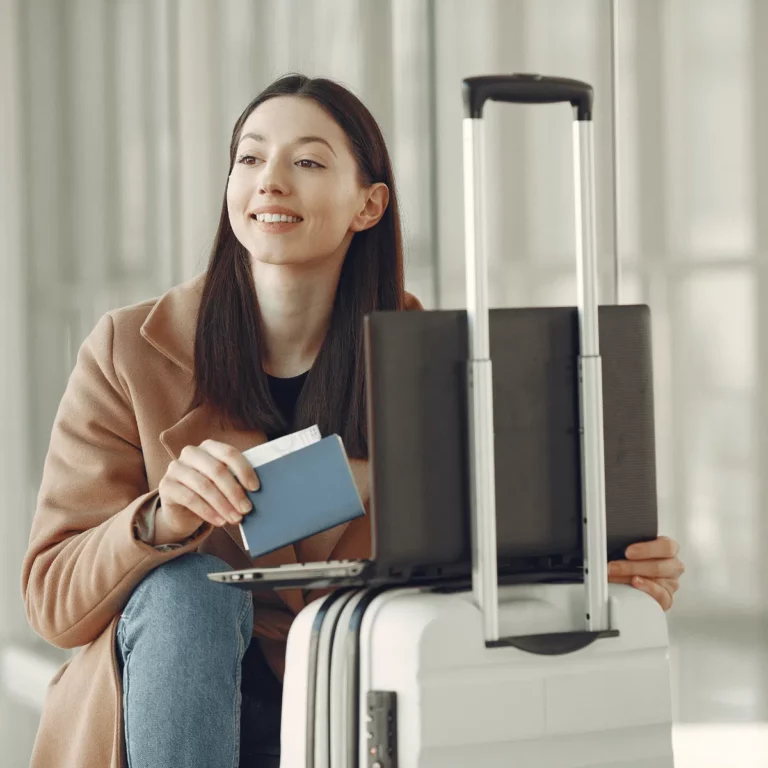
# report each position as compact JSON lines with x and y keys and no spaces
{"x":302,"y":493}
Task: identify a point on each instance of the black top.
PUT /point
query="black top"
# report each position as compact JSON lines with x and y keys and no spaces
{"x":285,"y":393}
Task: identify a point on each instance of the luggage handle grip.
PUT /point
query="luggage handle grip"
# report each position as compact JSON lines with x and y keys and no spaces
{"x":526,"y":89}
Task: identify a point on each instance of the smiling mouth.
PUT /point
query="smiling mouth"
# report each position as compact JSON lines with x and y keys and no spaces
{"x":276,"y":218}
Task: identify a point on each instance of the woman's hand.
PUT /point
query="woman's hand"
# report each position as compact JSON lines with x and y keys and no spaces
{"x":202,"y":486}
{"x":652,"y":566}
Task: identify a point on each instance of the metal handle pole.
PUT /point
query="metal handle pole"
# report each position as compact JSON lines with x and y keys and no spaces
{"x":485,"y":585}
{"x":615,"y":153}
{"x":590,"y":385}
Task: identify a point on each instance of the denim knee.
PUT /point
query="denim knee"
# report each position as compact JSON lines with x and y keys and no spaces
{"x":180,"y":605}
{"x":180,"y":643}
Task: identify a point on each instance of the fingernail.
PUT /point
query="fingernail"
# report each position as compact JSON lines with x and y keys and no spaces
{"x":639,"y":581}
{"x":611,"y":567}
{"x":245,"y":506}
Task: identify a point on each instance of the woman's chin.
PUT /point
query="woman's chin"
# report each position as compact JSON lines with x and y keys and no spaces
{"x":282,"y":259}
{"x":292,"y":258}
{"x":272,"y":257}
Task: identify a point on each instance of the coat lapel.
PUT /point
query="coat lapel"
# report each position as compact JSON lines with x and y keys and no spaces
{"x":202,"y":424}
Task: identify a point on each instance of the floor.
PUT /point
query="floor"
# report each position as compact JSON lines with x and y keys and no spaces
{"x":720,"y":693}
{"x":719,"y":671}
{"x":719,"y":688}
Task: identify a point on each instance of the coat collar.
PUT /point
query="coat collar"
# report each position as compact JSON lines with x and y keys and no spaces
{"x":170,"y":326}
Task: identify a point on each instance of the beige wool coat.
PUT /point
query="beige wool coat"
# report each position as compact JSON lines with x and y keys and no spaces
{"x":121,"y":421}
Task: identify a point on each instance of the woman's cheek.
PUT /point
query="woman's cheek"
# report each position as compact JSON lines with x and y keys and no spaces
{"x":235,"y":189}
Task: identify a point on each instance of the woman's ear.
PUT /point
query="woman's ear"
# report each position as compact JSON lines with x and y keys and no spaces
{"x":376,"y":202}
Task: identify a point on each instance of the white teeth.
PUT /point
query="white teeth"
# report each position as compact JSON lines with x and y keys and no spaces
{"x":270,"y":218}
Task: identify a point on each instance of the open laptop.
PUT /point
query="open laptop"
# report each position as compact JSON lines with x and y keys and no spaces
{"x":418,"y":448}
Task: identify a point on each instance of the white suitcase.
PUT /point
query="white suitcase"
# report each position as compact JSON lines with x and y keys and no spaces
{"x":561,"y":675}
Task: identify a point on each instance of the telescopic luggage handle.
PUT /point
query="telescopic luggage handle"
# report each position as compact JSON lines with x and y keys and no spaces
{"x":533,"y":89}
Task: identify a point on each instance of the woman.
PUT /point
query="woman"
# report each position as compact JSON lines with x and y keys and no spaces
{"x":142,"y":487}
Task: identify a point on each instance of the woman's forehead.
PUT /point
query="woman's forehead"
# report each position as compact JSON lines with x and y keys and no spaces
{"x":283,"y":119}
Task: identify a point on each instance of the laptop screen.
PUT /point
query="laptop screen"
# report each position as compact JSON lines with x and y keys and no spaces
{"x":418,"y":441}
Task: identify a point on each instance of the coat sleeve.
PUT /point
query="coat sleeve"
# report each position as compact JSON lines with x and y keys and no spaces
{"x":84,"y":560}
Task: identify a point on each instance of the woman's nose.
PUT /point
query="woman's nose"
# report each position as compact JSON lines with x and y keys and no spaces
{"x":273,"y":180}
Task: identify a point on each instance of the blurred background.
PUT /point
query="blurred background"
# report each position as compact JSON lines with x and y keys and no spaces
{"x":115,"y":119}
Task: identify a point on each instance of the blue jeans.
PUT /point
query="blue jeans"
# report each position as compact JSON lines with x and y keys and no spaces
{"x":182,"y":643}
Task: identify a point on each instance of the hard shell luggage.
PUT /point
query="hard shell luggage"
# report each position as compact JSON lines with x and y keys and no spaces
{"x":551,"y":674}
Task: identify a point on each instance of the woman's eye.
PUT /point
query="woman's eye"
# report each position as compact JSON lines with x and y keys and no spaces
{"x":246,"y":159}
{"x":309,"y":164}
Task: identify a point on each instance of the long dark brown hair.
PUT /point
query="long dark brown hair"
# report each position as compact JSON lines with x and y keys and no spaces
{"x":229,"y":376}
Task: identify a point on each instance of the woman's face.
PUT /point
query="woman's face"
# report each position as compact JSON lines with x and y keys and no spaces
{"x":293,"y":162}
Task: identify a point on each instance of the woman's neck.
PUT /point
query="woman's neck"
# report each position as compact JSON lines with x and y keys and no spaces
{"x":295,"y":305}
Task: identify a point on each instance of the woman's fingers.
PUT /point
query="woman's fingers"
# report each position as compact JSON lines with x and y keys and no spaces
{"x":662,"y":590}
{"x":237,"y":463}
{"x":656,"y":590}
{"x":207,"y":489}
{"x":671,"y":585}
{"x":662,"y":548}
{"x":652,"y":569}
{"x":173,"y":491}
{"x":215,"y":483}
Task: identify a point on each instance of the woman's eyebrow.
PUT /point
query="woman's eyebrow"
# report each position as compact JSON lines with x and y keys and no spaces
{"x":298,"y":142}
